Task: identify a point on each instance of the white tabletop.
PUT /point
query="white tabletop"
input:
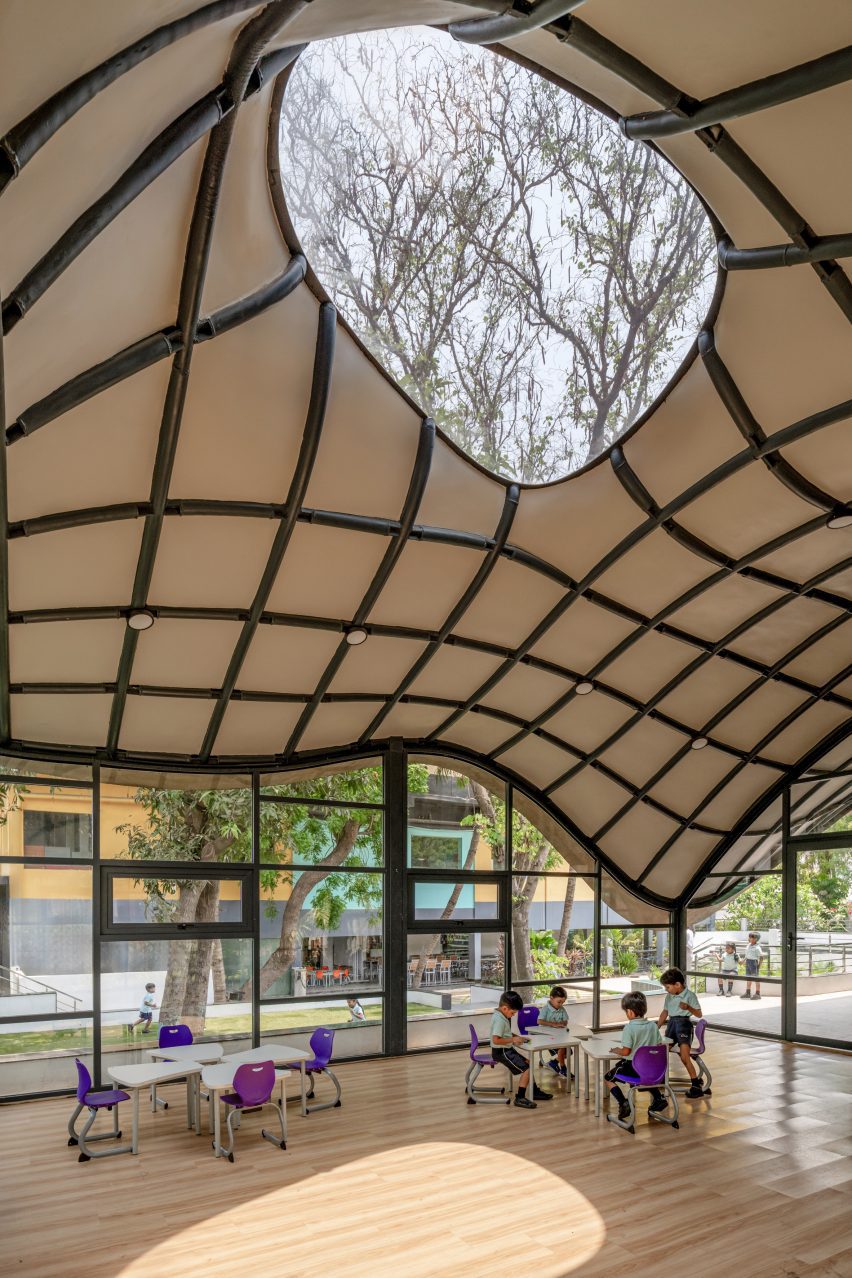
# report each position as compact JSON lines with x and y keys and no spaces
{"x":221,"y":1075}
{"x":594,"y":1047}
{"x":155,"y":1072}
{"x":544,"y":1040}
{"x":204,"y":1053}
{"x":278,"y":1053}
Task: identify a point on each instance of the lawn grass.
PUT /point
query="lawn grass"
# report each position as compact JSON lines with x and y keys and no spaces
{"x":74,"y":1038}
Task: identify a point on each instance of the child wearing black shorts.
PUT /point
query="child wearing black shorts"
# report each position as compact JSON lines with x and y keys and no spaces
{"x":681,"y":1004}
{"x":503,"y":1045}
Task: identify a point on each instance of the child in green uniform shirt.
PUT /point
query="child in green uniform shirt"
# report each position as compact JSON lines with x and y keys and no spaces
{"x":681,"y":1004}
{"x":553,"y":1016}
{"x":638,"y":1032}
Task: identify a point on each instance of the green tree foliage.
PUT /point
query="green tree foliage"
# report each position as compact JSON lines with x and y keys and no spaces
{"x":530,"y":277}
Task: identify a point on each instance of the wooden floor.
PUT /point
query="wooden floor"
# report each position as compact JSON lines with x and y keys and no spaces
{"x":407,"y":1180}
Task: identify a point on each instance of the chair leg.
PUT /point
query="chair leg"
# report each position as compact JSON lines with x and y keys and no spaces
{"x":86,"y":1153}
{"x":485,"y":1095}
{"x":671,"y":1120}
{"x":705,"y":1078}
{"x":627,"y":1124}
{"x":336,"y":1103}
{"x":280,"y":1141}
{"x":229,"y":1123}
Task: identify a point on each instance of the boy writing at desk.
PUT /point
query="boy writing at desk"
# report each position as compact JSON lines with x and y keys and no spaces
{"x":680,"y":1005}
{"x":504,"y":1046}
{"x":554,"y":1017}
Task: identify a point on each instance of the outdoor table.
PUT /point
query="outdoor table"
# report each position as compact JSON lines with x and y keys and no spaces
{"x":202,"y":1053}
{"x":547,"y":1040}
{"x":136,"y":1078}
{"x":219,"y":1078}
{"x":279,"y":1054}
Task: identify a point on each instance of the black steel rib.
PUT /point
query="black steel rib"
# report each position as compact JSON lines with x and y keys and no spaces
{"x":754,"y":435}
{"x":512,"y":22}
{"x":501,"y":534}
{"x":150,"y":350}
{"x":757,"y":95}
{"x":314,"y":421}
{"x":822,"y":249}
{"x":246,"y":52}
{"x":680,"y":105}
{"x":178,"y":136}
{"x":5,"y":708}
{"x":411,"y":505}
{"x":20,"y":144}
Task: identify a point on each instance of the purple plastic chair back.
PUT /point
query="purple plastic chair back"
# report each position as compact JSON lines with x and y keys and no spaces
{"x":84,"y":1082}
{"x":650,"y":1065}
{"x":700,"y":1027}
{"x":478,"y":1051}
{"x":321,"y":1044}
{"x":175,"y":1036}
{"x":254,"y":1083}
{"x":527,"y":1016}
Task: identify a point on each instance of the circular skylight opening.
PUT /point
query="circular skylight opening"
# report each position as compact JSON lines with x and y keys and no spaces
{"x":529,"y":276}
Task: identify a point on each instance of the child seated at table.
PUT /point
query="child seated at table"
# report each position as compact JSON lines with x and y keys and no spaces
{"x":638,"y":1032}
{"x":503,"y":1048}
{"x":553,"y":1016}
{"x":681,"y":1004}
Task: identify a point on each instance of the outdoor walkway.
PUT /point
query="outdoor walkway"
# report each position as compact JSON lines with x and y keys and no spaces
{"x":818,"y":1015}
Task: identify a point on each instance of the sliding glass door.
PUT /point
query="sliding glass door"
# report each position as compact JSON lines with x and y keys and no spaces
{"x":820,"y":944}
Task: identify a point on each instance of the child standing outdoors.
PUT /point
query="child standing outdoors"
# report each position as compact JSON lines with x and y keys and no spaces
{"x":727,"y":968}
{"x":357,"y":1015}
{"x":638,"y":1032}
{"x":504,"y":1044}
{"x":146,"y":1009}
{"x":554,"y":1016}
{"x":753,"y":956}
{"x":680,"y":1005}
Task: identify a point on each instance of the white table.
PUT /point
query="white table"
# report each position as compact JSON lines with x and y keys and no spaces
{"x":219,"y":1078}
{"x":279,"y":1054}
{"x":201,"y":1053}
{"x":600,"y":1050}
{"x":137,"y":1078}
{"x":548,"y":1040}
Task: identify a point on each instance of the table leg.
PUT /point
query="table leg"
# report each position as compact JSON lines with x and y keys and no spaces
{"x":598,"y":1084}
{"x":134,"y":1140}
{"x":585,"y":1076}
{"x":284,"y":1105}
{"x":190,"y":1103}
{"x":217,"y":1123}
{"x":304,"y":1089}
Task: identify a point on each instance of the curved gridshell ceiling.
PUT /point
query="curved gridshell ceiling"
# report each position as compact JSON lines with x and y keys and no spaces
{"x":246,"y":472}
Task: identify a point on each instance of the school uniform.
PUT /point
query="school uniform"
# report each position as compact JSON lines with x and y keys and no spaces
{"x":508,"y":1055}
{"x":678,"y":1027}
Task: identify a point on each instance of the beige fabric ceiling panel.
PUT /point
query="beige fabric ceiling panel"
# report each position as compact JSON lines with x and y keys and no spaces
{"x":155,"y":724}
{"x":65,"y":652}
{"x":78,"y":566}
{"x":63,"y":719}
{"x":325,"y":572}
{"x":210,"y":563}
{"x":699,"y":500}
{"x":177,"y":652}
{"x":287,"y":658}
{"x":426,"y":584}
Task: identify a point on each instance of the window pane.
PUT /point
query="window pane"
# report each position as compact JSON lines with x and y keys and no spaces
{"x":620,"y":906}
{"x":320,"y":931}
{"x":160,"y":902}
{"x":445,"y":902}
{"x":46,"y":821}
{"x":553,"y":919}
{"x":45,"y":939}
{"x":38,"y":1056}
{"x":361,"y":783}
{"x":357,"y":1024}
{"x":312,"y":834}
{"x":632,"y":959}
{"x":564,"y":852}
{"x":203,"y":983}
{"x":718,"y":964}
{"x":453,"y":980}
{"x":456,"y":820}
{"x":10,"y":766}
{"x":579,"y":1004}
{"x":143,"y":823}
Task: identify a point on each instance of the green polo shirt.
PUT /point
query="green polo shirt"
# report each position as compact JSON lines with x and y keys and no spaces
{"x":640,"y":1033}
{"x":555,"y":1015}
{"x":673,"y":1004}
{"x":500,"y":1028}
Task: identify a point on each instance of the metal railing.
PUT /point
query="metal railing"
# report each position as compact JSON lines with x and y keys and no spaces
{"x":14,"y":982}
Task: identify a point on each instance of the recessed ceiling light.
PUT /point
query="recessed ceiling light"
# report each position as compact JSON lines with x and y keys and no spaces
{"x":356,"y":635}
{"x":840,"y":519}
{"x":583,"y":689}
{"x":140,"y":619}
{"x":698,"y":743}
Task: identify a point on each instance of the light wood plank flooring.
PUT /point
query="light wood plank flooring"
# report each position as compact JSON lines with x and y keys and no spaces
{"x":407,"y":1180}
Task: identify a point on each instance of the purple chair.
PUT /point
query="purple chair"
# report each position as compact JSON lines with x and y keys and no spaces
{"x":479,"y":1058}
{"x":696,"y":1052}
{"x":94,"y":1101}
{"x":527,"y":1017}
{"x":253,"y":1087}
{"x":170,"y":1036}
{"x":650,"y":1064}
{"x":322,"y":1045}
